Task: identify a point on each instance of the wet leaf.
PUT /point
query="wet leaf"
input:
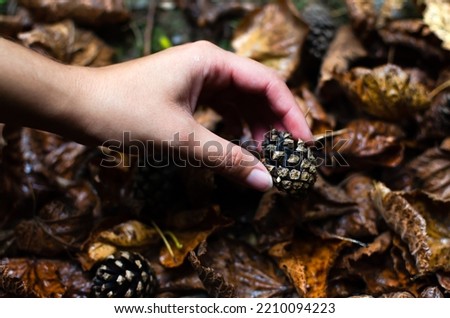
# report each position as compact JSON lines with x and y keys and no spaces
{"x":421,"y":222}
{"x":249,"y":272}
{"x":129,"y":235}
{"x":318,"y":120}
{"x":432,"y":171}
{"x":68,"y":44}
{"x":344,"y":49}
{"x":307,"y":264}
{"x":203,"y":223}
{"x":45,"y":278}
{"x":360,"y":223}
{"x":365,"y":143}
{"x":387,"y":92}
{"x":60,"y":225}
{"x":272,"y":35}
{"x":272,"y":220}
{"x":93,"y":12}
{"x":437,"y":17}
{"x":413,"y":34}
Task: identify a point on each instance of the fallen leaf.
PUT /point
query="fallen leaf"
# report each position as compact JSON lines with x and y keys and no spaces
{"x":68,"y":44}
{"x":236,"y":264}
{"x":421,"y":222}
{"x":364,"y":143}
{"x":386,"y":92}
{"x":344,"y":49}
{"x":413,"y":34}
{"x":129,"y":235}
{"x":272,"y":35}
{"x":307,"y":263}
{"x":444,"y":280}
{"x":46,"y":278}
{"x":437,"y":17}
{"x":363,"y":15}
{"x":431,"y":170}
{"x":431,"y":292}
{"x":93,"y":12}
{"x":203,"y":223}
{"x":400,"y":294}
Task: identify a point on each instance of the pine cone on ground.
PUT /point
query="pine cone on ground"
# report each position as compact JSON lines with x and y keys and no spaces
{"x":292,"y":165}
{"x":321,"y":29}
{"x":124,"y":274}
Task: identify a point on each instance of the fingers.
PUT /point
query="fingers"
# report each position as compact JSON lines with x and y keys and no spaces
{"x":229,"y":160}
{"x":253,"y":77}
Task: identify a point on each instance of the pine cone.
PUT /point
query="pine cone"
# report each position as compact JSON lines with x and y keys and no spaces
{"x":124,"y":274}
{"x":321,"y":29}
{"x":291,"y":164}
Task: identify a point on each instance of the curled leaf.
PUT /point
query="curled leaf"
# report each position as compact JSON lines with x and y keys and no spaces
{"x":421,"y":222}
{"x":386,"y":92}
{"x":68,"y":44}
{"x":272,"y":35}
{"x":437,"y":17}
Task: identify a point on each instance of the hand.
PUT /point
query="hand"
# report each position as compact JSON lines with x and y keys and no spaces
{"x":153,"y":99}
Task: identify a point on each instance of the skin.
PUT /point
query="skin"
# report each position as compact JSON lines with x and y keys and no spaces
{"x":153,"y":98}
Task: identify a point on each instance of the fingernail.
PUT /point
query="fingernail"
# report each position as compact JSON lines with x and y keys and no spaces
{"x":260,"y":180}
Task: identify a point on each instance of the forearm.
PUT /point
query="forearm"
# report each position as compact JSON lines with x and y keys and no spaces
{"x":36,"y":91}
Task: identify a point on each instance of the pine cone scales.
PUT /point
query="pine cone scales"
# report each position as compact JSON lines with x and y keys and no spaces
{"x":291,"y":164}
{"x":124,"y":274}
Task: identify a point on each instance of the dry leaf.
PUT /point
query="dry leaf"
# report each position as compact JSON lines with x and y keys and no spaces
{"x":364,"y":143}
{"x":129,"y":235}
{"x":272,"y":35}
{"x":431,"y":292}
{"x":413,"y":34}
{"x":344,"y":49}
{"x":444,"y":280}
{"x":202,"y":223}
{"x":362,"y":14}
{"x":251,"y":273}
{"x":46,"y":278}
{"x":85,"y":11}
{"x":386,"y":92}
{"x":68,"y":44}
{"x":432,"y":172}
{"x":421,"y":222}
{"x":307,"y":264}
{"x":437,"y":17}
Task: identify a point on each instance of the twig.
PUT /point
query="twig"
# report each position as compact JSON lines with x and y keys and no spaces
{"x":151,"y":11}
{"x":439,"y":89}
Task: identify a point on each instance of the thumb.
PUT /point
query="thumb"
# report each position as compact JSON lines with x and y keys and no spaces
{"x":230,"y":160}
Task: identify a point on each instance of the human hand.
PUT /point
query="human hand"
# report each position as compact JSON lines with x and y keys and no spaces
{"x":153,"y":98}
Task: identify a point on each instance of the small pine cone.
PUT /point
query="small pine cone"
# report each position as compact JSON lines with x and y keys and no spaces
{"x":321,"y":29}
{"x":292,"y":165}
{"x":124,"y":274}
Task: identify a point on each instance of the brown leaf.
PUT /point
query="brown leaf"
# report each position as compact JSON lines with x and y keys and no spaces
{"x":413,"y":34}
{"x":207,"y":221}
{"x":344,"y":49}
{"x":85,"y":11}
{"x":365,"y":143}
{"x":61,"y":225}
{"x":401,"y":294}
{"x":68,"y":44}
{"x":444,"y":280}
{"x":46,"y":278}
{"x":323,"y":201}
{"x":437,"y":17}
{"x":362,"y":14}
{"x":307,"y":264}
{"x":318,"y":120}
{"x":432,"y":170}
{"x":251,"y":273}
{"x":378,"y":246}
{"x":421,"y":222}
{"x":214,"y":282}
{"x":11,"y":25}
{"x":360,"y":223}
{"x":272,"y":220}
{"x":129,"y":235}
{"x":387,"y":92}
{"x":272,"y":35}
